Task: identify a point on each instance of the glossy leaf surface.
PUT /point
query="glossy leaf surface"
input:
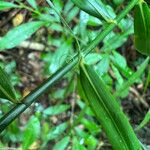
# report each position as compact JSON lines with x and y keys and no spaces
{"x":33,"y":3}
{"x":31,"y":133}
{"x":55,"y":110}
{"x":132,"y":78}
{"x":6,"y":89}
{"x":6,"y":5}
{"x":107,"y":111}
{"x":17,"y":35}
{"x":62,"y":144}
{"x":142,"y":28}
{"x":93,"y":7}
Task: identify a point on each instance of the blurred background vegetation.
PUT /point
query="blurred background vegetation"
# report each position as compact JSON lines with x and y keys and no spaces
{"x":60,"y":119}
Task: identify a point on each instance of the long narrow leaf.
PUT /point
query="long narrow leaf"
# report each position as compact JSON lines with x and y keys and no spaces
{"x":34,"y":95}
{"x":62,"y":144}
{"x":133,"y":78}
{"x":17,"y":35}
{"x":145,"y":121}
{"x":141,"y":28}
{"x":33,"y":3}
{"x":107,"y":111}
{"x":6,"y":5}
{"x":93,"y":7}
{"x":6,"y":89}
{"x":31,"y":133}
{"x":55,"y":110}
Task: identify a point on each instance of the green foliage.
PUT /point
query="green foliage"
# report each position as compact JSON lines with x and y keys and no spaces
{"x":31,"y":133}
{"x":19,"y":34}
{"x":55,"y":132}
{"x":6,"y":5}
{"x":95,"y":8}
{"x":62,"y":144}
{"x":7,"y":91}
{"x":132,"y":78}
{"x":62,"y":118}
{"x":141,"y":28}
{"x":77,"y":145}
{"x":107,"y":110}
{"x":55,"y":110}
{"x":33,"y":3}
{"x":145,"y":121}
{"x":89,"y":140}
{"x":60,"y":56}
{"x":118,"y":2}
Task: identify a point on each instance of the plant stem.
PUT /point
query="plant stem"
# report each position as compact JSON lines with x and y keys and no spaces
{"x":147,"y":82}
{"x":35,"y":94}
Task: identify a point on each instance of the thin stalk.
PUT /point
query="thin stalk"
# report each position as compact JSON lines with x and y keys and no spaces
{"x":66,"y":24}
{"x":41,"y":89}
{"x":147,"y":82}
{"x":23,"y":6}
{"x":77,"y":120}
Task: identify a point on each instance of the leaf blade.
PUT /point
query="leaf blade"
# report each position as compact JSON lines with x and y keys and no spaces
{"x":33,"y":4}
{"x":62,"y":144}
{"x":31,"y":132}
{"x":7,"y":91}
{"x":107,"y":111}
{"x":6,"y":5}
{"x":55,"y":110}
{"x":133,"y":78}
{"x":145,"y":121}
{"x":19,"y":34}
{"x":141,"y":28}
{"x":94,"y":8}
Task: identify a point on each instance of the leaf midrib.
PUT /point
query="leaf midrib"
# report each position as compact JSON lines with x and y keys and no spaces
{"x":143,"y":17}
{"x":6,"y":93}
{"x":105,"y":107}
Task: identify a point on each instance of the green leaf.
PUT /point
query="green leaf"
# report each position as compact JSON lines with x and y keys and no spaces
{"x":107,"y":111}
{"x":72,"y":13}
{"x":118,"y":2}
{"x":76,"y":144}
{"x":103,"y":66}
{"x":147,"y":82}
{"x":7,"y":91}
{"x":62,"y":144}
{"x":119,"y":60}
{"x":60,"y":56}
{"x":142,"y":28}
{"x":55,"y":110}
{"x":58,"y":4}
{"x":117,"y":75}
{"x":2,"y":146}
{"x":114,"y":41}
{"x":91,"y":126}
{"x":93,"y":58}
{"x":81,"y":93}
{"x":33,"y":96}
{"x":86,"y":138}
{"x":94,"y":7}
{"x":57,"y":131}
{"x":145,"y":121}
{"x":31,"y":133}
{"x":6,"y":5}
{"x":17,"y":35}
{"x":82,"y":105}
{"x":33,"y":3}
{"x":132,"y":78}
